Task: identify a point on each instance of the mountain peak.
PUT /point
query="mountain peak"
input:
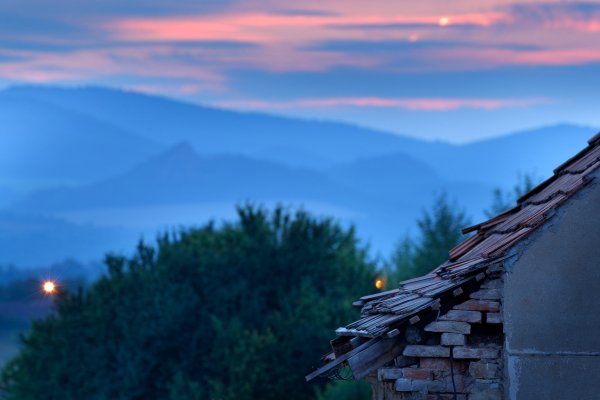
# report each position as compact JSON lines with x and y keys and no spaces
{"x":182,"y":153}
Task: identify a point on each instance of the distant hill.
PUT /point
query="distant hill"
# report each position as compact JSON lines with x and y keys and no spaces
{"x":84,"y":171}
{"x":381,"y":195}
{"x":500,"y":160}
{"x":42,"y":143}
{"x":179,"y":175}
{"x":298,"y":142}
{"x":390,"y":174}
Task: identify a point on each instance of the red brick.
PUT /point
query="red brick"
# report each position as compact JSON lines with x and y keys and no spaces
{"x":445,"y":385}
{"x":417,"y":373}
{"x":442,"y":364}
{"x":479,"y":305}
{"x":435,"y":363}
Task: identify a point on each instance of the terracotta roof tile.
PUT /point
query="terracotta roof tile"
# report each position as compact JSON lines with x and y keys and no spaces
{"x":488,"y":245}
{"x":490,"y":241}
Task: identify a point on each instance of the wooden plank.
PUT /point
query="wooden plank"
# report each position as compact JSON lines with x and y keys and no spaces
{"x":341,"y":345}
{"x":375,"y":296}
{"x":377,"y":355}
{"x":341,"y":359}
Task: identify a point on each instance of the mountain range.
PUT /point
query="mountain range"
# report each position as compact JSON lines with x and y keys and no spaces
{"x":89,"y":170}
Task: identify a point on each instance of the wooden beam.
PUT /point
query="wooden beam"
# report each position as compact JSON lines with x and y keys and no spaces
{"x":377,"y":355}
{"x":341,"y":359}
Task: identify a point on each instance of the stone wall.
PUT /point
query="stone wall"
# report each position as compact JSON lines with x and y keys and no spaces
{"x":457,"y":356}
{"x":552,"y":306}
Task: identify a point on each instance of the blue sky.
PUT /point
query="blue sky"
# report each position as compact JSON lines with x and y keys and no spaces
{"x":458,"y":71}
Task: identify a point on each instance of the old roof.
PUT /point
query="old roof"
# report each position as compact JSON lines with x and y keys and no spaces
{"x":384,"y":312}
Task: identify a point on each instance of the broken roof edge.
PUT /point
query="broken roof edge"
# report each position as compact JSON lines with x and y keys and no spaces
{"x":595,"y":139}
{"x":592,"y":142}
{"x":517,"y":249}
{"x":476,"y":258}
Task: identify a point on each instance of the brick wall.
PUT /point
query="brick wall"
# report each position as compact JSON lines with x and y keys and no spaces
{"x":459,"y":355}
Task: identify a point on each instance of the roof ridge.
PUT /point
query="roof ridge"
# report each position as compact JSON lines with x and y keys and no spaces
{"x":594,"y":140}
{"x":476,"y":258}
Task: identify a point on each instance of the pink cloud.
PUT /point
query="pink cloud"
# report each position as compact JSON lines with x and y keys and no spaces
{"x":271,"y":28}
{"x":289,"y":42}
{"x":583,"y":25}
{"x":147,"y":61}
{"x":423,"y":104}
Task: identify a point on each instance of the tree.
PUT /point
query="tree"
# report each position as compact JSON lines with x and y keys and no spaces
{"x":239,"y":311}
{"x":346,"y":390}
{"x":439,"y":231}
{"x":502,"y":201}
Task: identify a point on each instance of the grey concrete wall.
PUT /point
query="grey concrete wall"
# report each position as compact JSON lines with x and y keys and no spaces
{"x":552,"y":306}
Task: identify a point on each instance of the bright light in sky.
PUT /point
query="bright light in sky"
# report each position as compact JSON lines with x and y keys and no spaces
{"x":444,"y":21}
{"x":49,"y":287}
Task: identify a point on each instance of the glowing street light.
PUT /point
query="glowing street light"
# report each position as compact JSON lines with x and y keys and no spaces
{"x":379,"y":282}
{"x":49,"y":287}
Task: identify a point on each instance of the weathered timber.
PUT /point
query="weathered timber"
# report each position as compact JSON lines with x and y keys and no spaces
{"x":375,"y":356}
{"x":341,"y":359}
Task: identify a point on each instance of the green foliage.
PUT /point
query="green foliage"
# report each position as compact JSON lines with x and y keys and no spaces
{"x":402,"y":263}
{"x":346,"y":390}
{"x":240,"y":311}
{"x":439,"y":231}
{"x":502,"y":201}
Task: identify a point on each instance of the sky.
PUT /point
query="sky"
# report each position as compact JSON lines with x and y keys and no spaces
{"x":459,"y":70}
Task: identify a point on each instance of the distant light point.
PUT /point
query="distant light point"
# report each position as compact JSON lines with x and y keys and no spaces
{"x":379,"y":283}
{"x":444,"y":21}
{"x":49,"y":287}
